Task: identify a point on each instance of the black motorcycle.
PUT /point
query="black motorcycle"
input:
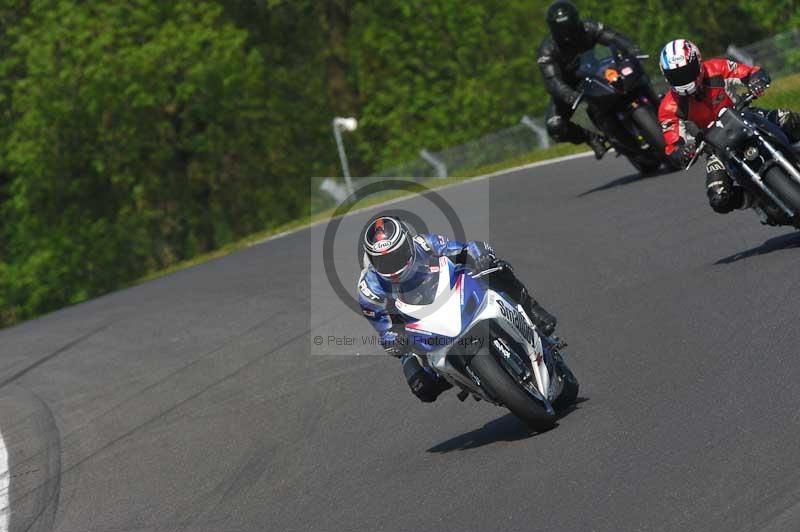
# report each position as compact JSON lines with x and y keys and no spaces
{"x":618,"y":88}
{"x":759,"y":157}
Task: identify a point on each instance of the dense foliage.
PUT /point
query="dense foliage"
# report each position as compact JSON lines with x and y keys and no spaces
{"x":137,"y":134}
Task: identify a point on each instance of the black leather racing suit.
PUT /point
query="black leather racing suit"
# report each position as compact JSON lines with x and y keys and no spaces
{"x":559,"y":65}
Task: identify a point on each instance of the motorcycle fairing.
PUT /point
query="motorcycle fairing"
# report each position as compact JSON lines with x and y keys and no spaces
{"x":461,"y":304}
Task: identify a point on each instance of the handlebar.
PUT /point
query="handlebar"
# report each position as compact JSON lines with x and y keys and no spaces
{"x":488,"y":272}
{"x":700,"y":149}
{"x":745,"y":101}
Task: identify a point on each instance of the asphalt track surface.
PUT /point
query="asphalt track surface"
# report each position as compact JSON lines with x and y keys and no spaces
{"x":194,"y":402}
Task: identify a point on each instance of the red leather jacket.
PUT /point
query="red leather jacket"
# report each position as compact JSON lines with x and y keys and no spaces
{"x":702,"y":108}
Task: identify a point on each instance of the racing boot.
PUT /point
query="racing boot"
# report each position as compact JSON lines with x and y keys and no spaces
{"x":424,"y":383}
{"x":508,"y":282}
{"x":543,"y":320}
{"x":598,"y":145}
{"x":789,"y":122}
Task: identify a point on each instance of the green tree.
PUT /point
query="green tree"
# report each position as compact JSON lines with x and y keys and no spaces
{"x":138,"y":139}
{"x":435,"y":73}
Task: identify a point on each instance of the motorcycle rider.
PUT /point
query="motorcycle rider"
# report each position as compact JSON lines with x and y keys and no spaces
{"x":397,"y":263}
{"x":699,"y":91}
{"x":558,"y":59}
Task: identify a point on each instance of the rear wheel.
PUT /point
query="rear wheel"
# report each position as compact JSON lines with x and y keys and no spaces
{"x":511,"y":394}
{"x":784,"y":187}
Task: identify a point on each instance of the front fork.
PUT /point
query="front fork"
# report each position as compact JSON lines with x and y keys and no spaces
{"x":642,"y":100}
{"x":779,"y":159}
{"x":756,"y":178}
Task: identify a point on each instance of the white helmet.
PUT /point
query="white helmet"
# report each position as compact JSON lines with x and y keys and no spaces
{"x":681,"y":65}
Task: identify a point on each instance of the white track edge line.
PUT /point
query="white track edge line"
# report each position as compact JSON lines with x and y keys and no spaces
{"x":5,"y":487}
{"x":528,"y":166}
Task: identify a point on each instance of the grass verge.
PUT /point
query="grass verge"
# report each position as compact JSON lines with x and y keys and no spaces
{"x":784,"y":93}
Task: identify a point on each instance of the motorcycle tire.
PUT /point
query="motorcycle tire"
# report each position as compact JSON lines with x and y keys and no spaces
{"x":784,"y":187}
{"x":569,"y":393}
{"x":647,"y":123}
{"x":500,"y":385}
{"x":645,"y":165}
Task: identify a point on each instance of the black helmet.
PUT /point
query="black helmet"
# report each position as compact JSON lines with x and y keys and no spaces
{"x":564,"y":23}
{"x":389,"y":247}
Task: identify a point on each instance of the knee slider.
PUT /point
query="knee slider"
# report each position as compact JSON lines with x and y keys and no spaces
{"x":724,"y":199}
{"x":556,"y":127}
{"x":721,"y":202}
{"x":422,"y":384}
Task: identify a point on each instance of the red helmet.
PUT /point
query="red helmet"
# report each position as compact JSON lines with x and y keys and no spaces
{"x":682,"y":66}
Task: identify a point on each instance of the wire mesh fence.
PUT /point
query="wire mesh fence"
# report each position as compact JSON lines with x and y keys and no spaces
{"x":494,"y":148}
{"x":489,"y":149}
{"x":779,"y":55}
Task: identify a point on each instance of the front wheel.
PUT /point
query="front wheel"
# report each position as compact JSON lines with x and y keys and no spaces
{"x":784,"y":187}
{"x":511,"y":394}
{"x":569,"y":392}
{"x":646,"y":164}
{"x":648,"y":126}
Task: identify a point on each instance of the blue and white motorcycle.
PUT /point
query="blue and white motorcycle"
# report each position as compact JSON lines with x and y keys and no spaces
{"x":484,"y":342}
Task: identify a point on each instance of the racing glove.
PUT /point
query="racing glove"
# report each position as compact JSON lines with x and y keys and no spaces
{"x":758,"y":82}
{"x":571,"y":97}
{"x":487,"y":259}
{"x":682,"y":156}
{"x":395,"y":344}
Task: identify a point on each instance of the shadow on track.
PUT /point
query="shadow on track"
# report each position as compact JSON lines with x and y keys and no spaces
{"x":505,"y":428}
{"x":626,"y":180}
{"x":787,"y":241}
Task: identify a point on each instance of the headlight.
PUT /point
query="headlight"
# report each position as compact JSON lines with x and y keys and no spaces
{"x":751,"y":153}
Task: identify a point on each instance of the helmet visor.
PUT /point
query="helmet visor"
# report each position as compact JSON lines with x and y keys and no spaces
{"x":685,"y":75}
{"x":566,"y":30}
{"x":395,"y":261}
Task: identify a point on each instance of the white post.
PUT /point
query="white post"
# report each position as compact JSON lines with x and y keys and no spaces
{"x":336,"y":190}
{"x":346,"y":124}
{"x":438,"y":165}
{"x":544,"y":138}
{"x":739,"y":54}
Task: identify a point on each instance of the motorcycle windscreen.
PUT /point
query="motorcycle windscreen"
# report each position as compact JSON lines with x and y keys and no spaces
{"x":587,"y":62}
{"x":420,"y":290}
